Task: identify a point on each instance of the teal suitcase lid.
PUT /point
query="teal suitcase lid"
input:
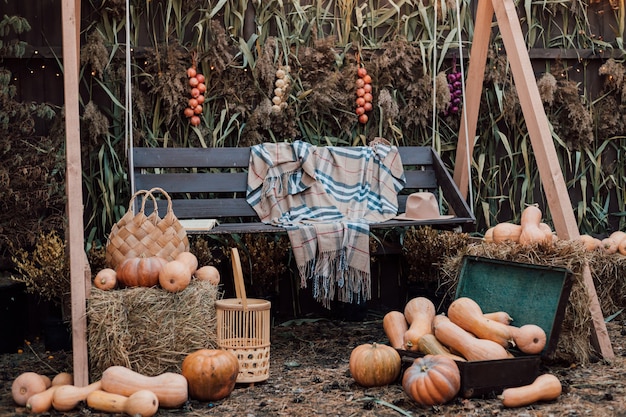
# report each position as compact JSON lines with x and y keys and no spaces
{"x":530,"y":293}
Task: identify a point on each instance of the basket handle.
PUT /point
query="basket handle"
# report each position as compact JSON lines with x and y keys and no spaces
{"x":240,"y":289}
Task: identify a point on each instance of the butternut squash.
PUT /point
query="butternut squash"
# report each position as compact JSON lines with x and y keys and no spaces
{"x":67,"y":397}
{"x":621,"y":248}
{"x":499,"y":316}
{"x":618,"y":236}
{"x":589,"y":242}
{"x":142,"y":403}
{"x":546,"y":387}
{"x":46,"y":380}
{"x":547,"y":230}
{"x":63,"y":378}
{"x":529,"y":338}
{"x":467,"y":314}
{"x":531,"y":215}
{"x":170,"y":388}
{"x":419,"y":313}
{"x":609,"y":245}
{"x":26,"y":385}
{"x":41,"y":402}
{"x":468,"y":345}
{"x":488,"y":235}
{"x":430,"y":345}
{"x":531,"y":230}
{"x":506,"y":232}
{"x":532,"y":234}
{"x":395,"y":325}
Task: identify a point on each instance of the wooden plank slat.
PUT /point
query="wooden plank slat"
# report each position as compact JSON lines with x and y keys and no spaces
{"x":237,"y":181}
{"x":236,"y":157}
{"x":194,"y":183}
{"x":191,"y":157}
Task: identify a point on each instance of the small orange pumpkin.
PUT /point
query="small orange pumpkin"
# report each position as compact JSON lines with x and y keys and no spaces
{"x":432,"y":380}
{"x":188,"y":259}
{"x":374,"y":365}
{"x":208,"y":273}
{"x":140,"y":271}
{"x":105,"y":279}
{"x":211,"y":373}
{"x":174,"y":276}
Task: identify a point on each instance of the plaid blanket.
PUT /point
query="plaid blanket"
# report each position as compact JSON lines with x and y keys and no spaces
{"x":326,"y":197}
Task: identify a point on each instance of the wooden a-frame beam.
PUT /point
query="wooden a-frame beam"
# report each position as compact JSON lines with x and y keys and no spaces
{"x":539,"y":132}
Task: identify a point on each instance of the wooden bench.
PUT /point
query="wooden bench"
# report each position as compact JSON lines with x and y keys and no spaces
{"x":210,"y":183}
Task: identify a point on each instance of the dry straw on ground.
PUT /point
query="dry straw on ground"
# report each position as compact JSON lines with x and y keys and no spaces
{"x":150,"y":330}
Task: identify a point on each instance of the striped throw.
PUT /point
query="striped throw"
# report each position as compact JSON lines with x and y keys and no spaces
{"x":326,"y":197}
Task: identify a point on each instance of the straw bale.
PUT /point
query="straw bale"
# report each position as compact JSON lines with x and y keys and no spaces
{"x":609,"y":273}
{"x":575,"y":338}
{"x":149,"y":330}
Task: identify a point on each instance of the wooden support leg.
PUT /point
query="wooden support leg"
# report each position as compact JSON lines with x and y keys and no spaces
{"x":600,"y":336}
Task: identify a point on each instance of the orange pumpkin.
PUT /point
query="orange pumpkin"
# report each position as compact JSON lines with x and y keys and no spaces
{"x":211,"y":373}
{"x":432,"y":380}
{"x":174,"y":276}
{"x":105,"y":279}
{"x":140,"y":271}
{"x":374,"y":365}
{"x":188,"y":259}
{"x":208,"y":273}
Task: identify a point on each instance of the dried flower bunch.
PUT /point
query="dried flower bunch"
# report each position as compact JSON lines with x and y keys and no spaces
{"x":44,"y":270}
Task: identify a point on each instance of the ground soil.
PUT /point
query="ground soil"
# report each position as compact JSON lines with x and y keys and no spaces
{"x":309,"y":375}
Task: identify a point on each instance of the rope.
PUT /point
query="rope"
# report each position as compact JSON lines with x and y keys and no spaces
{"x":467,"y":148}
{"x":128,"y":103}
{"x":434,"y":70}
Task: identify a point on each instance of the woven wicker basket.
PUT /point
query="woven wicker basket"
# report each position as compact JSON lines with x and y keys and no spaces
{"x":243,"y":327}
{"x":140,"y":235}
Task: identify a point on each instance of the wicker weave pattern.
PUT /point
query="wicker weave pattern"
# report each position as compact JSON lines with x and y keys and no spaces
{"x":140,"y":235}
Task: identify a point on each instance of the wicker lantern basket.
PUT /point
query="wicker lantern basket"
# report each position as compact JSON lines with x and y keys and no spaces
{"x":243,"y":327}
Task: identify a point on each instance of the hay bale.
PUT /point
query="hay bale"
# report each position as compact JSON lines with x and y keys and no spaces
{"x":149,"y":330}
{"x":609,"y":274}
{"x":575,"y":339}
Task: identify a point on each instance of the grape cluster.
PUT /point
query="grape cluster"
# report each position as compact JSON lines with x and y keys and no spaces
{"x":363,"y":95}
{"x":281,"y":89}
{"x":455,"y":85}
{"x":197,"y":90}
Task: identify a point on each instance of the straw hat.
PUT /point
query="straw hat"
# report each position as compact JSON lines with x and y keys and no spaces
{"x":422,"y":206}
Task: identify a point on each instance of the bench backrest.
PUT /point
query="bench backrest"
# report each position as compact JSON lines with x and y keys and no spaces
{"x":211,"y":182}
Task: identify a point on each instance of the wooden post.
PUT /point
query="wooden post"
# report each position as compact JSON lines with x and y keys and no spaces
{"x":73,"y":186}
{"x":538,"y":130}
